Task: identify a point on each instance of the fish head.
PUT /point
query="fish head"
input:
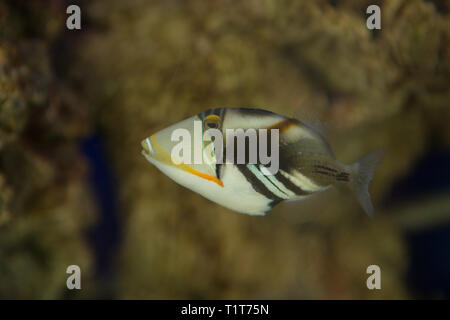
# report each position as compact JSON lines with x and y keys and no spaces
{"x":184,"y":151}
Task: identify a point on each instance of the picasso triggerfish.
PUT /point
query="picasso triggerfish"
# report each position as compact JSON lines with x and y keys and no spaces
{"x":292,"y":160}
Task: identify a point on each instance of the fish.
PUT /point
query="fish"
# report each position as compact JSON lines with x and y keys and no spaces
{"x":304,"y":163}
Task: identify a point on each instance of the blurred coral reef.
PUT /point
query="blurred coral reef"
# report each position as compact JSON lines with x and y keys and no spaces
{"x":139,"y":66}
{"x":44,"y":203}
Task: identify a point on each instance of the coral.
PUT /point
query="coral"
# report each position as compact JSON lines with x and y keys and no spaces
{"x":45,"y":207}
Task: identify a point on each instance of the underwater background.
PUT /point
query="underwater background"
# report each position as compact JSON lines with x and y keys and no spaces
{"x":75,"y":189}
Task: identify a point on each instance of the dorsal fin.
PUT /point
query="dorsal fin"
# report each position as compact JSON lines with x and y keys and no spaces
{"x":314,"y":124}
{"x":313,"y":120}
{"x":296,"y":136}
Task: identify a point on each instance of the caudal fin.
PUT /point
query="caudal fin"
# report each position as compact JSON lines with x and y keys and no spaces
{"x":362,"y":173}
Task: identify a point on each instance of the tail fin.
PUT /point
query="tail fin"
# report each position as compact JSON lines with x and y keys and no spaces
{"x":362,"y":173}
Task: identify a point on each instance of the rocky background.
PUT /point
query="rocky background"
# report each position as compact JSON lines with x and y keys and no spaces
{"x":138,"y":66}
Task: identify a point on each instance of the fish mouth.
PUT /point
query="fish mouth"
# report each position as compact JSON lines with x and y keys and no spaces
{"x":162,"y":157}
{"x":147,"y":148}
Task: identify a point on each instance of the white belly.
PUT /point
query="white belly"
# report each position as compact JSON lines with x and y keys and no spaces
{"x":236,"y":194}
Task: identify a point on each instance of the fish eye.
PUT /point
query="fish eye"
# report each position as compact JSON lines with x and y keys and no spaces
{"x":212,"y":122}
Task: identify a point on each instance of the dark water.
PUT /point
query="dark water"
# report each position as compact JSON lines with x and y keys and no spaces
{"x":105,"y":236}
{"x":429,"y":270}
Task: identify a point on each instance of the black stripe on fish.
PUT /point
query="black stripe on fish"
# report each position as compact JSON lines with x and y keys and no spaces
{"x":228,"y":151}
{"x":270,"y":181}
{"x":255,"y":112}
{"x":343,"y":176}
{"x":257,"y":184}
{"x":326,"y":168}
{"x":288,"y":184}
{"x":221,"y":114}
{"x":325,"y":173}
{"x":219,"y":170}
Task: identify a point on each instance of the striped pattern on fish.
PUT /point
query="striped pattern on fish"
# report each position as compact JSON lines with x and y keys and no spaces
{"x":307,"y":163}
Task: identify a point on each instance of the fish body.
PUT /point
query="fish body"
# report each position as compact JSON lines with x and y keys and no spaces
{"x":305,"y":163}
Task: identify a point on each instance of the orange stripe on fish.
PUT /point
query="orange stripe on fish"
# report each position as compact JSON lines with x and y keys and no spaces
{"x":284,"y":125}
{"x":163,"y":156}
{"x":202,"y":175}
